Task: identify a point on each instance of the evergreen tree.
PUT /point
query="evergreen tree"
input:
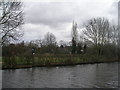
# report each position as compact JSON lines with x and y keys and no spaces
{"x":73,"y":46}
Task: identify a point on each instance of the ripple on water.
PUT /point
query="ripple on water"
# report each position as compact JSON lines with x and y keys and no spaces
{"x":79,"y":76}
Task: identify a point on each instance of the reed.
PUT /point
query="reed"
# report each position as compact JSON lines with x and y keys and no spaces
{"x":50,"y":60}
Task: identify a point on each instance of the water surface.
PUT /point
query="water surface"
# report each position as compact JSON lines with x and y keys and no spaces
{"x":103,"y":75}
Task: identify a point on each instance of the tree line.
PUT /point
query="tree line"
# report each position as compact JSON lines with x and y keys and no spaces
{"x":100,"y":36}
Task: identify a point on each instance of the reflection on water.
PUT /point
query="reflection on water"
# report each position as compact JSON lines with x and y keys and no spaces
{"x":102,"y":75}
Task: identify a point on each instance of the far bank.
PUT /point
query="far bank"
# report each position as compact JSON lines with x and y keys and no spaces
{"x":52,"y":60}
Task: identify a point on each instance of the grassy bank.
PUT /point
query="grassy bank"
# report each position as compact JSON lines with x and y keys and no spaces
{"x":51,"y":60}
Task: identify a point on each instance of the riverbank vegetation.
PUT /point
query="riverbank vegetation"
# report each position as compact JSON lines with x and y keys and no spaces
{"x":48,"y":52}
{"x":53,"y":60}
{"x":97,"y":41}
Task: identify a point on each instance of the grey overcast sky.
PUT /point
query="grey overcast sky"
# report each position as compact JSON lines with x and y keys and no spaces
{"x":56,"y":16}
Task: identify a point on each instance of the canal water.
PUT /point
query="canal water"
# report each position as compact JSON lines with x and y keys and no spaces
{"x":103,"y":75}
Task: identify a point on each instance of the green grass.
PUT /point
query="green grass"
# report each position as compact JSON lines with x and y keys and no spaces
{"x":48,"y":60}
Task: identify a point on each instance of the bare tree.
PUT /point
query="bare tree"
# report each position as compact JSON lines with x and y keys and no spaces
{"x":97,"y":31}
{"x":10,"y":19}
{"x":39,"y":42}
{"x":63,"y":43}
{"x":114,"y":34}
{"x":50,"y":43}
{"x":49,"y":39}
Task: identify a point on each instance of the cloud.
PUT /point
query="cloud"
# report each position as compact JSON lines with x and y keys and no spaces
{"x":56,"y":17}
{"x":51,"y":14}
{"x":36,"y":31}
